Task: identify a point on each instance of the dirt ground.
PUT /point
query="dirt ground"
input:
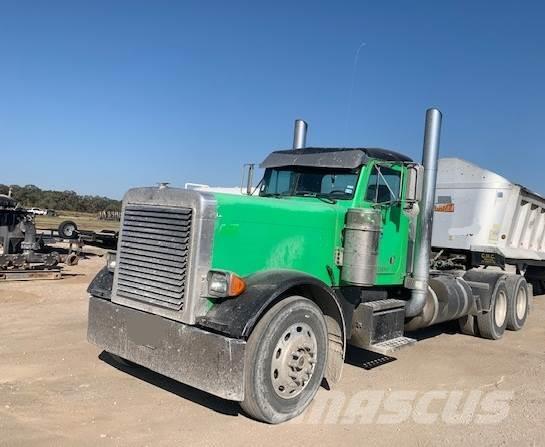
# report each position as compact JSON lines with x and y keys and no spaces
{"x":57,"y":389}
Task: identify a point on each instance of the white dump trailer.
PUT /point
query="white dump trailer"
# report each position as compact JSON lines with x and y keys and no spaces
{"x":485,"y":219}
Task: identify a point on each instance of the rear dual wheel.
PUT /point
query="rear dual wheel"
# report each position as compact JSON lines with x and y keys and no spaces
{"x":518,"y":303}
{"x":492,"y":324}
{"x":509,"y":308}
{"x":285,"y":360}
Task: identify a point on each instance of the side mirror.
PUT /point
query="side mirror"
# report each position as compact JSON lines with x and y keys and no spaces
{"x":413,"y":191}
{"x":248,"y":177}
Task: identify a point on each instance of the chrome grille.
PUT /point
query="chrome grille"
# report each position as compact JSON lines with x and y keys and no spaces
{"x":153,"y":255}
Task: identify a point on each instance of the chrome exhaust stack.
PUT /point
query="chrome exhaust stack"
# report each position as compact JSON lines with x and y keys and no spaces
{"x":430,"y":156}
{"x":300,"y":134}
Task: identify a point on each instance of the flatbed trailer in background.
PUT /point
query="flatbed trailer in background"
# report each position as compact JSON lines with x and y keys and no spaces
{"x":69,"y":231}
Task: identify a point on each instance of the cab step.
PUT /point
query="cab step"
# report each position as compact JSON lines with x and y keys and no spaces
{"x":392,"y":345}
{"x":378,"y":326}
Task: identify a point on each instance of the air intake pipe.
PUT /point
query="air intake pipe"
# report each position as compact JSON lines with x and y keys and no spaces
{"x":300,"y":134}
{"x":430,"y":155}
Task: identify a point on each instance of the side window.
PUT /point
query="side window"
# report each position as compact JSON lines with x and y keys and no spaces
{"x":384,"y":185}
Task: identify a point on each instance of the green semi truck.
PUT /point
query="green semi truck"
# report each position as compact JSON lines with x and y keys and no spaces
{"x":254,"y":298}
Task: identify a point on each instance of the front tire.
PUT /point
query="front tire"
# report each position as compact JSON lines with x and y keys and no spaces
{"x":285,"y":361}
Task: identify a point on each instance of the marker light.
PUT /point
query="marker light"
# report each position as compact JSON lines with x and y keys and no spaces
{"x":111,"y":260}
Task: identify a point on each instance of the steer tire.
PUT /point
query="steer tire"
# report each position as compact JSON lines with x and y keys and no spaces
{"x":492,"y":324}
{"x":518,"y":303}
{"x":291,"y":335}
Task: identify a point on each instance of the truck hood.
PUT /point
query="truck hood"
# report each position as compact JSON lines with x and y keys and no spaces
{"x":257,"y":233}
{"x":285,"y":211}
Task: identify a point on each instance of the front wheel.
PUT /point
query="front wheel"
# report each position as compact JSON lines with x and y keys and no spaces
{"x":286,"y":357}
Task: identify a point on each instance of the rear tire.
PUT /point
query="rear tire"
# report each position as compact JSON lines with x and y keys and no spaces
{"x":492,"y":324}
{"x":518,"y":302}
{"x":285,"y":361}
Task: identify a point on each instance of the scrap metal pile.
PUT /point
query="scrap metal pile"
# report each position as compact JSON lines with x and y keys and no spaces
{"x":22,"y":254}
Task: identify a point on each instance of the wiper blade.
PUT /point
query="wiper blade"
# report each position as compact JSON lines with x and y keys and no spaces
{"x":323,"y":197}
{"x":306,"y":194}
{"x":327,"y":199}
{"x":273,"y":194}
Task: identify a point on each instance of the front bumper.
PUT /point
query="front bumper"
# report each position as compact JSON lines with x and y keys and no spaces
{"x":201,"y":359}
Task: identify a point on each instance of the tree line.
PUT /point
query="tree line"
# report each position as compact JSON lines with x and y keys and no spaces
{"x":31,"y":196}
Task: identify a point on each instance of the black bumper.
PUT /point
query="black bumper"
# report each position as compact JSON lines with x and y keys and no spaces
{"x":207,"y":361}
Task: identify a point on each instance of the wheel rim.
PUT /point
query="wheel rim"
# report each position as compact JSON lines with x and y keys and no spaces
{"x":69,"y":230}
{"x":293,"y":360}
{"x":522,"y":301}
{"x":500,"y":308}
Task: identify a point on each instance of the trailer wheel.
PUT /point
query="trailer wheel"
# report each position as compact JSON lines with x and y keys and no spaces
{"x":492,"y":324}
{"x":518,"y":303}
{"x":285,"y":360}
{"x":68,"y":229}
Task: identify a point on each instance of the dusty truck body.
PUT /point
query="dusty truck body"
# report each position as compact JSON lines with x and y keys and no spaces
{"x":483,"y":219}
{"x":255,"y":298}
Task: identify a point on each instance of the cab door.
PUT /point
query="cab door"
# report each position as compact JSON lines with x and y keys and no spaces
{"x":385,"y":192}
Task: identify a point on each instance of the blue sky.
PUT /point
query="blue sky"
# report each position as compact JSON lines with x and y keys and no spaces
{"x":100,"y":96}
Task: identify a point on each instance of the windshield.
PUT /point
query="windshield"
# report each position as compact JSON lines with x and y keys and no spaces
{"x":310,"y":182}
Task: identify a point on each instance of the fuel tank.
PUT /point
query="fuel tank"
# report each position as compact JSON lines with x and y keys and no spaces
{"x":449,"y":297}
{"x":360,"y":251}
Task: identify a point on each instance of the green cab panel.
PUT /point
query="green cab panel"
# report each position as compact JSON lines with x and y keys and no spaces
{"x":254,"y":233}
{"x":394,"y":240}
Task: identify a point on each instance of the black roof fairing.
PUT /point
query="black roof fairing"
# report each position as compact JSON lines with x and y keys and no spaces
{"x":323,"y":157}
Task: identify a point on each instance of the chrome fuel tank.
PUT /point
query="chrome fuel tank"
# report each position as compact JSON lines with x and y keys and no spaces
{"x":361,"y":245}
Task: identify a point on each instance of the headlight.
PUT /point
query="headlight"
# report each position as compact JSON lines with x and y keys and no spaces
{"x":218,"y":284}
{"x":225,"y":284}
{"x":111,"y":260}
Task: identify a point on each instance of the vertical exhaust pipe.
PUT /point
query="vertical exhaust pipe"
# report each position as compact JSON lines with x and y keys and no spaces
{"x":430,"y":156}
{"x":300,"y":134}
